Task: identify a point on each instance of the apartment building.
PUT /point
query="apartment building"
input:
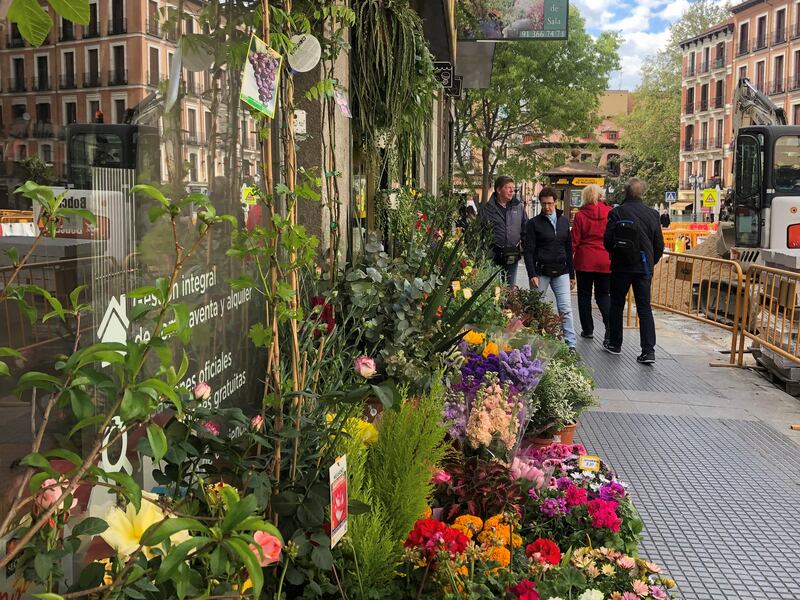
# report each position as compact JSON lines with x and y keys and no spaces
{"x":706,"y":156}
{"x":108,"y":66}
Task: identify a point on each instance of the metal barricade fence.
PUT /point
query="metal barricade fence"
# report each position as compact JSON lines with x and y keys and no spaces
{"x":771,"y":315}
{"x":703,"y":288}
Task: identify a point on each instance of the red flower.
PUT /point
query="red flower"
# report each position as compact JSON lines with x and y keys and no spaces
{"x":418,"y":224}
{"x":544,"y":551}
{"x":576,"y":496}
{"x":524,"y":590}
{"x":432,"y":536}
{"x":439,"y":312}
{"x":463,"y":264}
{"x":604,"y":514}
{"x":325,"y":317}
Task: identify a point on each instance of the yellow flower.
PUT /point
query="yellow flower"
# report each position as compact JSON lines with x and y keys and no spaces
{"x":427,"y":513}
{"x":491,"y":348}
{"x":247,"y":585}
{"x":125,"y":528}
{"x":473,"y":338}
{"x":467,"y":270}
{"x":463,"y":529}
{"x":500,"y":554}
{"x":358,"y":428}
{"x":608,"y":570}
{"x":108,"y":575}
{"x":496,"y":532}
{"x":516,"y":540}
{"x":473,"y":523}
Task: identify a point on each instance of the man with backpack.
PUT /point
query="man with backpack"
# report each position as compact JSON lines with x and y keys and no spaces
{"x":635,"y":243}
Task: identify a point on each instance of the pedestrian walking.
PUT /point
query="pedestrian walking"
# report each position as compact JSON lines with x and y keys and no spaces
{"x":591,"y":260}
{"x":548,"y":258}
{"x":505,"y":216}
{"x":634,"y":240}
{"x":664,"y":219}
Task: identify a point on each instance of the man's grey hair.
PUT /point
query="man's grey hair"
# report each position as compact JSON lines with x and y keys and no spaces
{"x":635,"y":188}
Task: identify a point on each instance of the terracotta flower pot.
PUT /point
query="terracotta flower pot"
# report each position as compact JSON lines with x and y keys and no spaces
{"x":536,"y":442}
{"x":567,"y":435}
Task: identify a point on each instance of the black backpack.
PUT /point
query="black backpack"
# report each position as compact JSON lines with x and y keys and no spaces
{"x":625,"y":247}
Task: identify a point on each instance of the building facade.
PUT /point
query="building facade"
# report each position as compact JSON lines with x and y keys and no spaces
{"x":706,"y":156}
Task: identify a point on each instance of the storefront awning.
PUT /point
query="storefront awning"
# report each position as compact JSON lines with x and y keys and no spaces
{"x":679,"y":206}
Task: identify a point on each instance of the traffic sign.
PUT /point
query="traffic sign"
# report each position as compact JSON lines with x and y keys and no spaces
{"x":710,"y":196}
{"x":670,"y":196}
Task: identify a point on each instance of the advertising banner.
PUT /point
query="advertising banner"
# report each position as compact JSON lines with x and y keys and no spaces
{"x":510,"y":20}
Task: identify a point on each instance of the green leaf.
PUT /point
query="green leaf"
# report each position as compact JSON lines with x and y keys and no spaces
{"x":238,"y":513}
{"x":33,"y":21}
{"x":321,"y":556}
{"x":74,"y":295}
{"x":4,"y":370}
{"x":81,"y":404}
{"x":135,"y":405}
{"x":36,"y":379}
{"x":4,"y":351}
{"x":177,"y":555}
{"x":65,"y":454}
{"x":92,"y":575}
{"x":158,"y":532}
{"x":87,"y":422}
{"x":37,"y":480}
{"x":259,"y":524}
{"x":158,"y":442}
{"x":42,"y":564}
{"x":37,"y":461}
{"x":49,"y":596}
{"x":260,"y":335}
{"x":76,"y":11}
{"x":149,"y":190}
{"x":90,"y":526}
{"x":131,"y":489}
{"x":86,"y":215}
{"x":241,"y":549}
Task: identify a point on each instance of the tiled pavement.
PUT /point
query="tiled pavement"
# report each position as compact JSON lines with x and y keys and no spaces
{"x":713,"y":467}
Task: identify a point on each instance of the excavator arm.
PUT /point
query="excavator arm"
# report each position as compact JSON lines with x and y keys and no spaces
{"x":752,"y":107}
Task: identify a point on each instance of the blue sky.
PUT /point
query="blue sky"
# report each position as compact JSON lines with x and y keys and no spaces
{"x":643,"y":25}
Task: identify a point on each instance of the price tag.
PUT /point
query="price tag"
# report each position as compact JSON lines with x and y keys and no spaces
{"x":589,"y":463}
{"x":456,"y":285}
{"x":497,"y":294}
{"x":467,"y":293}
{"x":338,"y":483}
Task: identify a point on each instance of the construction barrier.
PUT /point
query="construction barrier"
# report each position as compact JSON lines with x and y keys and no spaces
{"x":680,"y":240}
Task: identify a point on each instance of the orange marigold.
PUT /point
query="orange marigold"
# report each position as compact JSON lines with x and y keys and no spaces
{"x":496,"y":532}
{"x":472,"y":522}
{"x":463,"y":529}
{"x":501,"y":555}
{"x":427,"y":513}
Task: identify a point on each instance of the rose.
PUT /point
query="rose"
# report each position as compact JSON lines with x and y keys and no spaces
{"x":524,"y":590}
{"x":257,"y":423}
{"x":267,"y":548}
{"x":365,"y":367}
{"x":441,"y":476}
{"x":52,"y":494}
{"x":202,"y":391}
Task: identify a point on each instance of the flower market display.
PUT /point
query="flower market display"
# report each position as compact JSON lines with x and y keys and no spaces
{"x":407,"y":434}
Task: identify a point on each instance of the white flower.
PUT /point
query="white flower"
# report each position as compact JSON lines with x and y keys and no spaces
{"x":591,"y":595}
{"x":555,"y":598}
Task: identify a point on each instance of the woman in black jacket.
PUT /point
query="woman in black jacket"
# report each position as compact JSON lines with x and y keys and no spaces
{"x":548,"y":258}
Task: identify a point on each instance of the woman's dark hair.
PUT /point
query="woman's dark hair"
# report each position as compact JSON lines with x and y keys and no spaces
{"x":501,"y":181}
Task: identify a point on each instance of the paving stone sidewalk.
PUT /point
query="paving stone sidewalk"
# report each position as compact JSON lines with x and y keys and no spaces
{"x":713,"y":465}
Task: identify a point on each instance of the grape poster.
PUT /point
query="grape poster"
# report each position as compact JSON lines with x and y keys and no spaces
{"x":260,"y":79}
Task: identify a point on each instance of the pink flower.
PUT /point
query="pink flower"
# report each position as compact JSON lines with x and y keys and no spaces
{"x":657,"y":593}
{"x":626,"y":562}
{"x":629,"y":596}
{"x":641,"y":589}
{"x":202,"y":391}
{"x":257,"y":422}
{"x":522,"y":468}
{"x":441,"y":476}
{"x":211,"y":427}
{"x":52,"y":495}
{"x":267,"y":548}
{"x":576,"y":496}
{"x":365,"y":367}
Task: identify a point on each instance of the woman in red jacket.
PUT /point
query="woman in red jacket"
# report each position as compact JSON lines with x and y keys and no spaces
{"x":592,"y":263}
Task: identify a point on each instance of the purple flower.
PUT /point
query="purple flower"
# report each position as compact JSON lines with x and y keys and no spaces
{"x":611,"y":491}
{"x":563,"y":483}
{"x":517,"y":367}
{"x":455,"y":415}
{"x":553,"y":507}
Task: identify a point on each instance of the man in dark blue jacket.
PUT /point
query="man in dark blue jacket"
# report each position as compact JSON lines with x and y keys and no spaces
{"x":634,"y":240}
{"x":506,"y":217}
{"x":548,"y":258}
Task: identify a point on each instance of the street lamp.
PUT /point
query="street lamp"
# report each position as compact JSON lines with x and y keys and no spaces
{"x":696,"y":181}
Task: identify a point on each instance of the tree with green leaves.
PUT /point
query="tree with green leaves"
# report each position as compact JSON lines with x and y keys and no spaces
{"x":651,"y":133}
{"x":537,"y":88}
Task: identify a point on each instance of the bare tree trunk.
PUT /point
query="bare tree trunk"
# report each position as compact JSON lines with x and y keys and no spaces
{"x":486,"y":174}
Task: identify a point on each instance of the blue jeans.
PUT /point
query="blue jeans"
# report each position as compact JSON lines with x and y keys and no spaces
{"x":510,"y":274}
{"x":561,"y":290}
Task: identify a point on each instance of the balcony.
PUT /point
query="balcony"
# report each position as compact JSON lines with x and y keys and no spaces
{"x":41,"y":84}
{"x":15,"y":41}
{"x":688,"y":145}
{"x":91,"y":80}
{"x":20,"y":128}
{"x":118,"y":77}
{"x":690,"y":70}
{"x":16,"y":84}
{"x":154,"y":78}
{"x":777,"y":87}
{"x":66,"y":33}
{"x":172,"y":33}
{"x":719,"y":62}
{"x":192,"y":139}
{"x":68,"y":81}
{"x":43,"y":130}
{"x":715,"y":143}
{"x":153,"y":26}
{"x":704,"y":67}
{"x":760,"y":42}
{"x":92,"y":30}
{"x":796,"y":31}
{"x":117,"y":26}
{"x":689,"y":108}
{"x":779,"y":37}
{"x":794,"y":83}
{"x":701,"y":144}
{"x":718,"y":102}
{"x":192,"y":88}
{"x":742,"y":48}
{"x":704,"y":105}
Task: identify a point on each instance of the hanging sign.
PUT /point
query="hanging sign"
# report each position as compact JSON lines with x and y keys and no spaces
{"x":260,"y":78}
{"x":338,"y":483}
{"x":455,"y":89}
{"x":489,"y":20}
{"x":443,"y":72}
{"x":306,"y":53}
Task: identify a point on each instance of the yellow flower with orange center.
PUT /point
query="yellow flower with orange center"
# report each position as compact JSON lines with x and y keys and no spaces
{"x":473,"y":338}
